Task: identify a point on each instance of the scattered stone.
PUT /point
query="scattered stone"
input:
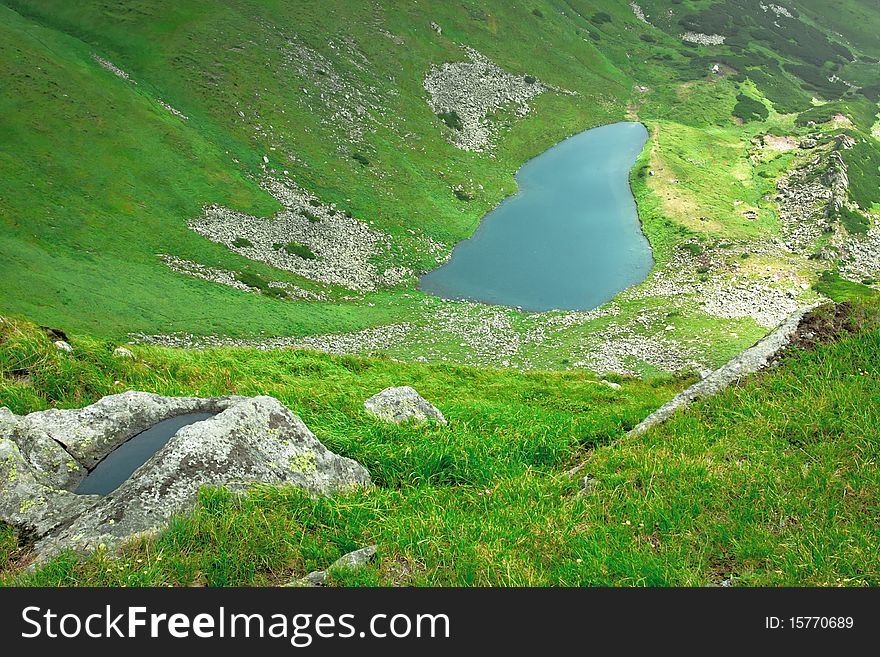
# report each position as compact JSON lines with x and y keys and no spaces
{"x":436,"y":28}
{"x":703,"y":39}
{"x":398,"y":405}
{"x":778,"y":10}
{"x":587,"y":484}
{"x":807,"y":143}
{"x":474,"y":90}
{"x":351,"y":561}
{"x":123,"y":352}
{"x":640,"y":14}
{"x":611,"y":384}
{"x":355,"y":560}
{"x":230,"y":278}
{"x":345,"y":249}
{"x":115,"y":70}
{"x":175,"y":112}
{"x":61,"y":345}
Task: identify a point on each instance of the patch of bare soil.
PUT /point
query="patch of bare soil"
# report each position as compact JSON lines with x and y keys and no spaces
{"x":824,"y":325}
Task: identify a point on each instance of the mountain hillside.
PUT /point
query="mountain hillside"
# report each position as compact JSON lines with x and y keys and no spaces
{"x":232,"y":172}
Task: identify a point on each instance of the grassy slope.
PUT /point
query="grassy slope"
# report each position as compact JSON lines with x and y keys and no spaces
{"x":209,"y":61}
{"x":772,"y":482}
{"x":65,"y":251}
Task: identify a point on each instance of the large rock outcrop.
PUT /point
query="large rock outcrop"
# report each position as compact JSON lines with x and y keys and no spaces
{"x":44,"y":455}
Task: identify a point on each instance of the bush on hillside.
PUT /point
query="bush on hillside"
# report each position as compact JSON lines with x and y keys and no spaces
{"x":749,"y":109}
{"x":299,"y":250}
{"x":452,"y":119}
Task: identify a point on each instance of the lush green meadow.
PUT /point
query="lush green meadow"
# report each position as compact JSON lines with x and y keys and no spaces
{"x":99,"y":178}
{"x":773,"y":482}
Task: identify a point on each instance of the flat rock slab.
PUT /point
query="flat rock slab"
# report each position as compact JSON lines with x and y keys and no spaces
{"x":401,"y":404}
{"x":251,"y":440}
{"x":748,"y":362}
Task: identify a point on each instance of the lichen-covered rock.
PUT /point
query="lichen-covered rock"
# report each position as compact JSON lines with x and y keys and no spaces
{"x":400,"y":404}
{"x":249,"y":441}
{"x":90,"y":433}
{"x":30,"y":506}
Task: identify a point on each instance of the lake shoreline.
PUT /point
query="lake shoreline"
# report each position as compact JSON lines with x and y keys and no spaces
{"x":574,"y":207}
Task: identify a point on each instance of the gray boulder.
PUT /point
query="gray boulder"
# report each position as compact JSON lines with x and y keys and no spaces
{"x":92,"y":432}
{"x":400,"y":404}
{"x":27,"y":504}
{"x":44,"y":455}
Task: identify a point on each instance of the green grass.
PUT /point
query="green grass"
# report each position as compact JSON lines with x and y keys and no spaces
{"x":770,"y":483}
{"x":834,"y":287}
{"x":749,"y":109}
{"x":98,"y":178}
{"x":103,"y":178}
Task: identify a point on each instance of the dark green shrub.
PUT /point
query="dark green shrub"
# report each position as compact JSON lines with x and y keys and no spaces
{"x":451,"y":119}
{"x":538,"y":13}
{"x":361,"y":159}
{"x":855,"y":222}
{"x":531,"y":79}
{"x":693,"y":248}
{"x":310,"y":216}
{"x":863,"y":169}
{"x":241,"y":242}
{"x":257,"y":282}
{"x":299,"y":250}
{"x":749,"y":109}
{"x":600,"y":18}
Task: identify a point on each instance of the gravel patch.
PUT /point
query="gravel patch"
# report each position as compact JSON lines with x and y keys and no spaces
{"x":338,"y":250}
{"x":110,"y":66}
{"x":474,"y":90}
{"x":229,"y":278}
{"x":703,"y":39}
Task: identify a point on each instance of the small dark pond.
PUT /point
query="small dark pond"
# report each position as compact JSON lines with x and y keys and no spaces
{"x":119,"y":464}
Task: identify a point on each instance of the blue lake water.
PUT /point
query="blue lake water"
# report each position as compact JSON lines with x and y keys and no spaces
{"x":569,"y":239}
